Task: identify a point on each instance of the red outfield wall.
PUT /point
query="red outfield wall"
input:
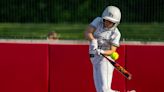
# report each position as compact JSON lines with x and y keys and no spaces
{"x":146,"y":63}
{"x":67,"y":68}
{"x":71,"y":69}
{"x":23,"y":67}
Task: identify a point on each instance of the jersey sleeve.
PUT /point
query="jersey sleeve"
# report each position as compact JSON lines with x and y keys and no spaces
{"x":116,"y":40}
{"x":95,"y":22}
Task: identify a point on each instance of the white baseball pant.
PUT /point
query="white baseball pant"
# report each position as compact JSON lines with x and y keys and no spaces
{"x":102,"y":73}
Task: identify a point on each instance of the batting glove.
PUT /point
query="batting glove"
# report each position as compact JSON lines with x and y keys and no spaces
{"x":93,"y":45}
{"x":100,"y":51}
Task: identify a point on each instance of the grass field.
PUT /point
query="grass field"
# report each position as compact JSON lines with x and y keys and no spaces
{"x":132,"y":32}
{"x":142,"y":32}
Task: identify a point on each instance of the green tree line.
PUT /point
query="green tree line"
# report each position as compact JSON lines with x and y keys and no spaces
{"x":78,"y":11}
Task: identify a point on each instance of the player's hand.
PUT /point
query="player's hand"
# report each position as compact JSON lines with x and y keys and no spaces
{"x":99,"y":51}
{"x":93,"y":45}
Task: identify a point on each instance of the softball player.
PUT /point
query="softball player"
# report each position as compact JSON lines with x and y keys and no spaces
{"x":104,"y":38}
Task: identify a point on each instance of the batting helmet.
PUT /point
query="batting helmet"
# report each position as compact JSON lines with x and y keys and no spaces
{"x":112,"y":14}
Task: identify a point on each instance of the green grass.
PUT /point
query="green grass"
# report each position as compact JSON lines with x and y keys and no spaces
{"x":142,"y":32}
{"x":40,"y":31}
{"x":137,"y":32}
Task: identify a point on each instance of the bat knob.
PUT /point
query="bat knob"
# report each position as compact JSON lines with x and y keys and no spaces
{"x":129,"y":77}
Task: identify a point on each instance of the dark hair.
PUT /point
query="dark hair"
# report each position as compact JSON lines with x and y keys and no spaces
{"x":52,"y":35}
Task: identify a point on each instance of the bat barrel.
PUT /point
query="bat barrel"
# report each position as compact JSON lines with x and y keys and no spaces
{"x":118,"y":67}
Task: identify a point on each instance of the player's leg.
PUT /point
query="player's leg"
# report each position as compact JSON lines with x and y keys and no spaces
{"x":96,"y":73}
{"x":106,"y":72}
{"x":102,"y":73}
{"x":96,"y":77}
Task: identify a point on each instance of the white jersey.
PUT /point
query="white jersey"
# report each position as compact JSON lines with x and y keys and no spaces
{"x":105,"y":37}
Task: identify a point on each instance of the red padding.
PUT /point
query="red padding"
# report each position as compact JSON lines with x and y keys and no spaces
{"x":146,"y":64}
{"x":23,"y":67}
{"x":71,"y":69}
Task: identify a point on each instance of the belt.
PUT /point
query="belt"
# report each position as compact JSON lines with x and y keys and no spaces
{"x":91,"y":55}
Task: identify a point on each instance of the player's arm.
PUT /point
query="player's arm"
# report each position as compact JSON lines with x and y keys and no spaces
{"x":109,"y":52}
{"x":91,"y":29}
{"x":89,"y":33}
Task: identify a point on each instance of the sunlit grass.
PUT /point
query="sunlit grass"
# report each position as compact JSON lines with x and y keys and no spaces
{"x":137,"y":32}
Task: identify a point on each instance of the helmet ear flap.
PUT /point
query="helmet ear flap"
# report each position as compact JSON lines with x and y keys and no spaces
{"x":112,"y":14}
